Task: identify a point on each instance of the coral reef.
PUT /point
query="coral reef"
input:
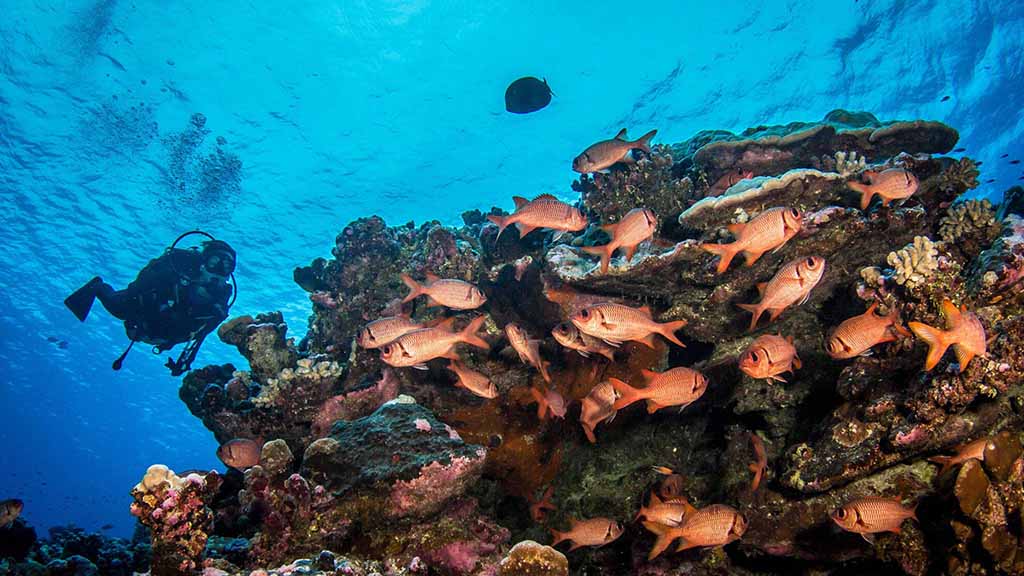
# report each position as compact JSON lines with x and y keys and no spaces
{"x":441,"y":484}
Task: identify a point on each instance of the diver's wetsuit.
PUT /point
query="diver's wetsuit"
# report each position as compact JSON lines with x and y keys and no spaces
{"x":166,"y":304}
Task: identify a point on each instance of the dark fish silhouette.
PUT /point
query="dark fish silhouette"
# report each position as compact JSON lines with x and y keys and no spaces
{"x":1014,"y":161}
{"x":63,"y":344}
{"x":107,"y":527}
{"x":52,"y":339}
{"x":978,"y":163}
{"x":526,"y":95}
{"x":990,"y":180}
{"x":1004,"y":155}
{"x":944,"y":98}
{"x":959,"y":149}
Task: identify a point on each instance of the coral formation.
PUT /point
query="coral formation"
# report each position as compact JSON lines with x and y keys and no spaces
{"x":441,"y":484}
{"x":915,"y":263}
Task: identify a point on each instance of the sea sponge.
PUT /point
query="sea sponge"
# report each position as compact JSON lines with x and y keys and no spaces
{"x":528,"y":558}
{"x":970,"y":218}
{"x":159,"y":475}
{"x":915,"y":263}
{"x":849,"y":163}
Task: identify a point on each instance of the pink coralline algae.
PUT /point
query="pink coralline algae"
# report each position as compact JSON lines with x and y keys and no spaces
{"x":355,"y":404}
{"x":469,"y":553}
{"x":435,"y":484}
{"x":422,"y":425}
{"x":325,"y":299}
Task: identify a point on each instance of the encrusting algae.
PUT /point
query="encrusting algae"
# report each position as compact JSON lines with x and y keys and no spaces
{"x":528,"y":352}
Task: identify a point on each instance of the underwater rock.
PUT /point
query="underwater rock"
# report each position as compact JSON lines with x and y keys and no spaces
{"x":528,"y":558}
{"x":262,"y":342}
{"x":276,"y":458}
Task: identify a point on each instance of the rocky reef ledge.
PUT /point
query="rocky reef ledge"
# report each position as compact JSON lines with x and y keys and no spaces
{"x":371,"y":469}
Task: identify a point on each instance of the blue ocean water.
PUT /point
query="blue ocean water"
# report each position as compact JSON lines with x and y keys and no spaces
{"x":123,"y":124}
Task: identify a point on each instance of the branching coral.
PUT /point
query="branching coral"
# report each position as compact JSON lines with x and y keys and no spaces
{"x":973,"y":220}
{"x":959,"y":176}
{"x":915,"y":263}
{"x":849,"y":163}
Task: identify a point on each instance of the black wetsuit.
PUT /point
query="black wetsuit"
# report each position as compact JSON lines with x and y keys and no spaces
{"x":166,"y":304}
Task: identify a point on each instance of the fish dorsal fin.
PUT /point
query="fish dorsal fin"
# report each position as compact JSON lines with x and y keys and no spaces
{"x":760,"y":287}
{"x":789,"y":339}
{"x":871,"y":309}
{"x":951,"y":313}
{"x":622,"y":135}
{"x":646,"y":310}
{"x":687,"y":507}
{"x":445,"y":324}
{"x":546,"y":197}
{"x":736,"y":227}
{"x":431,"y":277}
{"x":520,"y":201}
{"x":649,"y":375}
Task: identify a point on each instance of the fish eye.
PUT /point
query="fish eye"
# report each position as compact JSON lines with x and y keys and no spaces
{"x":841,"y":513}
{"x":584,"y":313}
{"x":753,"y":356}
{"x":794,"y":212}
{"x":387,"y":349}
{"x":811,"y":263}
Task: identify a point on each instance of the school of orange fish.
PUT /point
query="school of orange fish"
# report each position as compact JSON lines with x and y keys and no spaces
{"x":602,"y":327}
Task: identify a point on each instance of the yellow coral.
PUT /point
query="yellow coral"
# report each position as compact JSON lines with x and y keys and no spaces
{"x":915,"y":263}
{"x":528,"y":558}
{"x":158,"y":476}
{"x":967,"y":218}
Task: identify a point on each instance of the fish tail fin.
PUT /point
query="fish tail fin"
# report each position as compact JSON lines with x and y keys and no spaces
{"x":604,"y":252}
{"x":501,"y":222}
{"x":663,"y":538}
{"x":913,"y":512}
{"x":627,"y":394}
{"x":668,"y":330}
{"x":945,"y":461}
{"x":415,"y":289}
{"x":644,"y":142}
{"x":866,"y":191}
{"x":936,"y":339}
{"x":589,"y":431}
{"x":558,"y":536}
{"x":468,"y":334}
{"x":726,"y":252}
{"x":542,"y":402}
{"x":544,"y":365}
{"x":754,"y":309}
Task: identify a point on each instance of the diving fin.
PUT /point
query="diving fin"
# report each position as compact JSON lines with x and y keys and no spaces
{"x":80,"y":301}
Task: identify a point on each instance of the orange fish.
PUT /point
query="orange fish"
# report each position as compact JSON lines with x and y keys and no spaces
{"x":615,"y":323}
{"x":549,"y":403}
{"x":715,"y":525}
{"x":598,"y":407}
{"x":418,"y":347}
{"x":676,"y":387}
{"x":384,"y":330}
{"x":891,"y":184}
{"x":667,"y":513}
{"x":240,"y":453}
{"x":544,"y":211}
{"x":792,"y":284}
{"x":568,"y":335}
{"x":606,"y":153}
{"x":963,"y":331}
{"x":760,"y":464}
{"x":9,"y":511}
{"x":539,"y":508}
{"x":671,"y":486}
{"x":593,"y":532}
{"x":869,"y":515}
{"x":451,"y":293}
{"x":768,"y":356}
{"x":636,"y":226}
{"x":728,"y":180}
{"x":972,"y":450}
{"x":856,"y":336}
{"x":769,"y":230}
{"x":528,"y":350}
{"x":473,"y":381}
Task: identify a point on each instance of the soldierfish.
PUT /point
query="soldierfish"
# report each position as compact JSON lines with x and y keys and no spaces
{"x":964,"y":333}
{"x":598,"y":406}
{"x":636,"y":226}
{"x":593,"y":532}
{"x":891,"y":184}
{"x":670,"y":513}
{"x":715,"y":525}
{"x":549,"y":403}
{"x":606,"y":153}
{"x":792,"y":284}
{"x":676,"y":387}
{"x":728,"y":180}
{"x":869,"y":515}
{"x":528,"y":350}
{"x":384,"y":330}
{"x":539,"y":508}
{"x":544,"y":211}
{"x":240,"y":453}
{"x":768,"y":356}
{"x":769,"y":230}
{"x":615,"y":324}
{"x":472,"y":380}
{"x":972,"y":450}
{"x":418,"y":347}
{"x":760,"y":464}
{"x":568,"y":335}
{"x":856,"y":336}
{"x":452,"y":293}
{"x":9,"y":511}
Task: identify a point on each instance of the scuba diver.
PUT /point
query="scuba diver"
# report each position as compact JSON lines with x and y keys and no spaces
{"x":177,"y":298}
